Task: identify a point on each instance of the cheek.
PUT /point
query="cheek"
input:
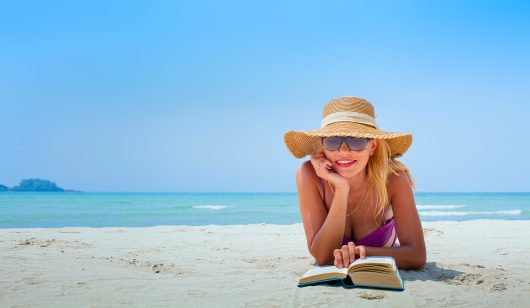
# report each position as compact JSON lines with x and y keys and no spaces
{"x":365,"y":159}
{"x":363,"y":162}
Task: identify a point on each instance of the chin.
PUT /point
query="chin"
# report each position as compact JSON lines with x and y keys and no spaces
{"x":348,"y":173}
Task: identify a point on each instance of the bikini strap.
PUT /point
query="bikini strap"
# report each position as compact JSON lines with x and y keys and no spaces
{"x":383,"y":217}
{"x":323,"y":192}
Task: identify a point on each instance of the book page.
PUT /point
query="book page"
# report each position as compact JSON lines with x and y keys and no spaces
{"x":382,"y":259}
{"x":324,"y":270}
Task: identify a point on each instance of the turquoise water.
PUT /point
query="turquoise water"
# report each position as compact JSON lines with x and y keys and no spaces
{"x":23,"y":209}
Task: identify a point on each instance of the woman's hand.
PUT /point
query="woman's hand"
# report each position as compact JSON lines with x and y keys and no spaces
{"x":323,"y":168}
{"x":346,"y":255}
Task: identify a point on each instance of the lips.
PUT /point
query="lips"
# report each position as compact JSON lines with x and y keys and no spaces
{"x":345,"y":163}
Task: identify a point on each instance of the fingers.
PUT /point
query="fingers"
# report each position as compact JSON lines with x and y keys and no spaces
{"x":361,"y":251}
{"x":345,"y":255}
{"x":338,"y":257}
{"x":351,"y":251}
{"x":321,"y":164}
{"x":317,"y":155}
{"x":320,"y":160}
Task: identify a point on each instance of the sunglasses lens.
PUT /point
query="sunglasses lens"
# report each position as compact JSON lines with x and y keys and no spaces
{"x":357,"y":144}
{"x":331,"y":143}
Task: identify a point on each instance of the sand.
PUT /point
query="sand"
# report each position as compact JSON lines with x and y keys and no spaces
{"x":473,"y":263}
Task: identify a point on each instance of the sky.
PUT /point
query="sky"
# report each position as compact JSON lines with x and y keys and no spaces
{"x":174,"y":96}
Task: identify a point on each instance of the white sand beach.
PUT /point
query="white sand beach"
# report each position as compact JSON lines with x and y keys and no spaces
{"x":474,"y":263}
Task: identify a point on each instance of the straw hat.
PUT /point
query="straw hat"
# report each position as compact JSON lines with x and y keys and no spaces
{"x":345,"y":116}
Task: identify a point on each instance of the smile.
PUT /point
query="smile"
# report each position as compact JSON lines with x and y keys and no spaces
{"x":345,"y":163}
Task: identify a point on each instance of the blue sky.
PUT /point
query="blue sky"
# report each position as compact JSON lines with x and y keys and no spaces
{"x":196,"y":96}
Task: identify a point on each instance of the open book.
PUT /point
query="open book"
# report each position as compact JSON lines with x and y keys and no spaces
{"x":371,"y":272}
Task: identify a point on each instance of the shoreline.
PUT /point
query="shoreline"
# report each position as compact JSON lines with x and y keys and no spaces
{"x":481,"y":261}
{"x":243,"y":224}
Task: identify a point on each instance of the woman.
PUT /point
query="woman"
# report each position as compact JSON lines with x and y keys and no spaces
{"x":356,"y":199}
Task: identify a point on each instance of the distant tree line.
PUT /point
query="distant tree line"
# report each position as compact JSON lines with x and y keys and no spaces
{"x":33,"y":185}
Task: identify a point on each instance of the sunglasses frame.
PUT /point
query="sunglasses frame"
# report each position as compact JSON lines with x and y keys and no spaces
{"x":345,"y":140}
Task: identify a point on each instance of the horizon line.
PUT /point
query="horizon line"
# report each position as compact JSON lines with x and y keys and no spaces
{"x":252,"y":192}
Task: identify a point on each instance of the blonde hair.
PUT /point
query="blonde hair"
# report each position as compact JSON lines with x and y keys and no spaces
{"x":379,"y":168}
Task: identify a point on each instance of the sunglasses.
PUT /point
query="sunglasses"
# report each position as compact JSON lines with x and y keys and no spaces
{"x":355,"y":144}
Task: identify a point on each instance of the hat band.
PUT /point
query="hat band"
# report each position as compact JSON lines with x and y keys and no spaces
{"x":348,"y":116}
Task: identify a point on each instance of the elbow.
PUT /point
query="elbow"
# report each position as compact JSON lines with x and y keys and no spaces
{"x":321,"y":259}
{"x":419,"y":263}
{"x":415,"y":259}
{"x":420,"y":260}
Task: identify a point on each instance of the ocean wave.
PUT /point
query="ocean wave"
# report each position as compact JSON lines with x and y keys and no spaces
{"x":210,"y":207}
{"x":439,"y":207}
{"x":454,"y":213}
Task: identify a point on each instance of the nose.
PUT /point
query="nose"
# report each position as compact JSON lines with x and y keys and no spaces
{"x":344,"y":147}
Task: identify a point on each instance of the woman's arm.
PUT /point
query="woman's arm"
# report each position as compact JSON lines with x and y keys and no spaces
{"x":412,"y":253}
{"x":324,"y":231}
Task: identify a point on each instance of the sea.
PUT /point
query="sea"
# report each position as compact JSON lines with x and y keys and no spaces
{"x":91,"y":209}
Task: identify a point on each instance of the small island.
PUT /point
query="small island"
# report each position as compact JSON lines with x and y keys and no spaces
{"x":35,"y":185}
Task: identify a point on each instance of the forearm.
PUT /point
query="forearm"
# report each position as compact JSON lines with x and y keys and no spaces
{"x":407,"y":257}
{"x":330,"y":235}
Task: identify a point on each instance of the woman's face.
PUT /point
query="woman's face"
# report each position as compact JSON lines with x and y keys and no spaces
{"x":342,"y":158}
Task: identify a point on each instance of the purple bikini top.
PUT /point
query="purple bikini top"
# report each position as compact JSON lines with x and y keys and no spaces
{"x":377,"y":238}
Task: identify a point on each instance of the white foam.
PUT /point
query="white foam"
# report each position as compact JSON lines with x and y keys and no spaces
{"x":439,"y":207}
{"x":210,"y":207}
{"x":450,"y":213}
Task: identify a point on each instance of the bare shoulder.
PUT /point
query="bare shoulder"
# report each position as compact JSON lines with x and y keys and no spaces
{"x":312,"y":209}
{"x":306,"y":175}
{"x":408,"y":223}
{"x":400,"y":191}
{"x":399,"y":183}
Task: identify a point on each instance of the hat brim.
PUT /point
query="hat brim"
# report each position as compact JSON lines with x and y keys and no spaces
{"x":302,"y":143}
